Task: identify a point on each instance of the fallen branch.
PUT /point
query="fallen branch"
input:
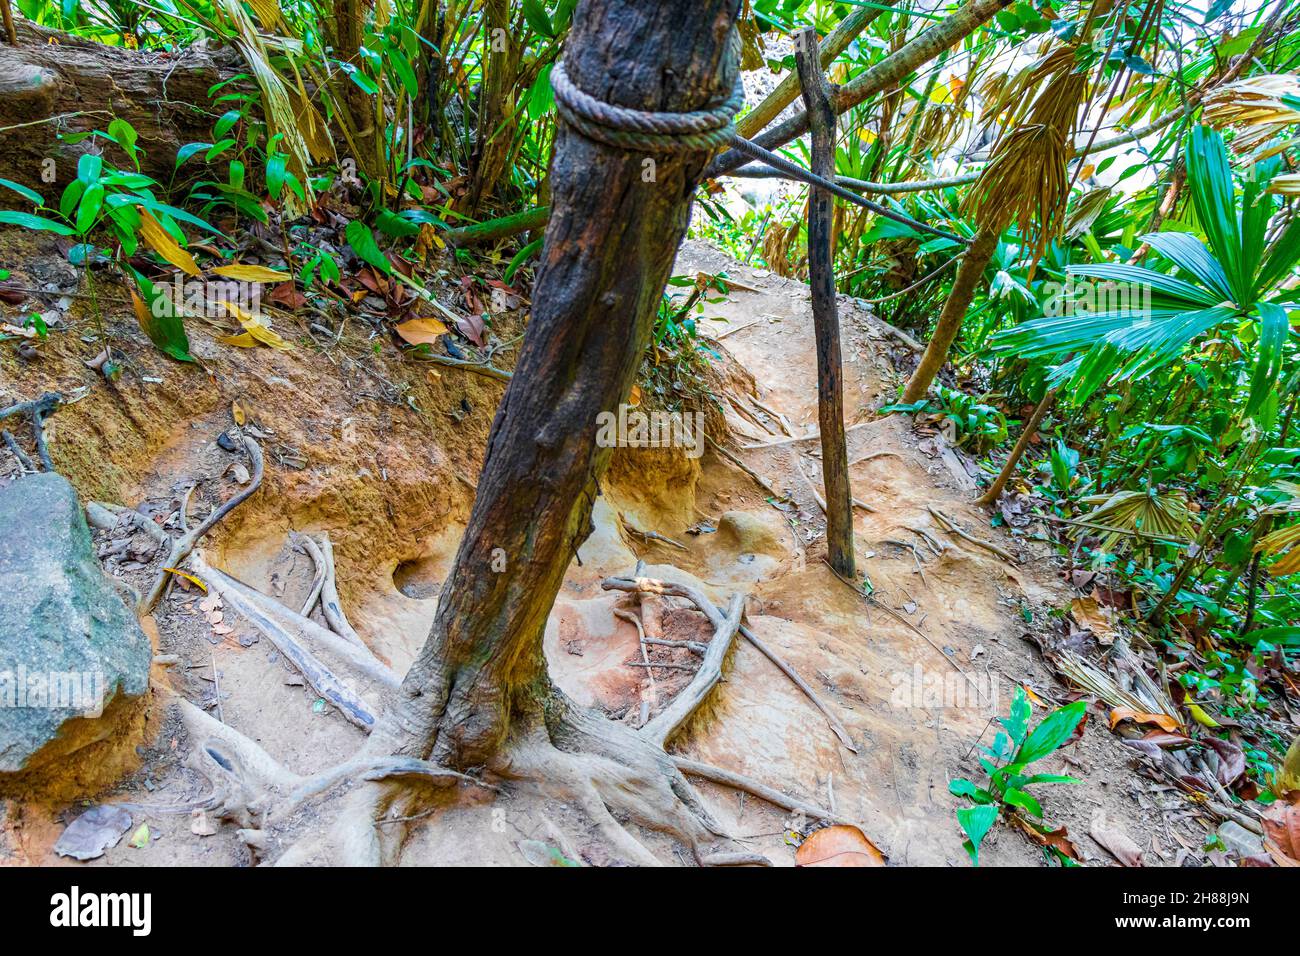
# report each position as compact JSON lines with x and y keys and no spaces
{"x":181,"y":547}
{"x":773,"y":796}
{"x":953,"y":528}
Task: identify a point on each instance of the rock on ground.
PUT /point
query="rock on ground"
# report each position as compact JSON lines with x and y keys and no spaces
{"x":72,"y":655}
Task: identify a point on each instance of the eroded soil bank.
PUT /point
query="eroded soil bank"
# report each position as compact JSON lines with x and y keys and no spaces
{"x":381,"y":453}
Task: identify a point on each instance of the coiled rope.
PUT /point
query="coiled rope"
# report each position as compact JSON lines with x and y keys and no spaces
{"x":652,"y":132}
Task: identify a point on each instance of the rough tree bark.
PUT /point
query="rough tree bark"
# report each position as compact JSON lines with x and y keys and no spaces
{"x":826,"y":320}
{"x":73,"y":86}
{"x":969,"y":274}
{"x":617,"y":222}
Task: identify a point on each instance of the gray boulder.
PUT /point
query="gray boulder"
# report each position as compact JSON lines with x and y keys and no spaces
{"x":72,"y":655}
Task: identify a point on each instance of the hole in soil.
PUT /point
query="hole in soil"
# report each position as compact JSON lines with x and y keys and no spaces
{"x":419,"y":578}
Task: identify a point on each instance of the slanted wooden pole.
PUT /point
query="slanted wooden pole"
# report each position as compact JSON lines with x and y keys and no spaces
{"x":991,"y":496}
{"x":826,"y":321}
{"x":7,"y":12}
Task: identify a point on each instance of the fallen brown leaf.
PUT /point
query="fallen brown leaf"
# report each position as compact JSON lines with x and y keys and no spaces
{"x":840,"y":845}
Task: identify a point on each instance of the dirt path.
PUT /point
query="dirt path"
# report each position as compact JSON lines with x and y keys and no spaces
{"x":915,"y":675}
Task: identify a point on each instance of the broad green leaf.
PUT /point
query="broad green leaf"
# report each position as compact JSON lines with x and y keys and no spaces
{"x":28,"y":221}
{"x":362,"y":241}
{"x":29,"y":194}
{"x":976,"y":823}
{"x":1054,"y":730}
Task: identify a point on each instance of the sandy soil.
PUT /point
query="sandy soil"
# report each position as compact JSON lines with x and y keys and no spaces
{"x":381,"y":454}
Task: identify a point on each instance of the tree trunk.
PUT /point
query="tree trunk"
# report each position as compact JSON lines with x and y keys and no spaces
{"x":618,"y":219}
{"x":496,"y":117}
{"x":826,"y":320}
{"x":969,"y":274}
{"x":991,"y":496}
{"x":74,"y":86}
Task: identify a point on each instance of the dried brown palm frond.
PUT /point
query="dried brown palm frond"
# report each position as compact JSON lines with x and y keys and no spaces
{"x":295,"y":126}
{"x":1085,"y":212}
{"x":1145,"y":513}
{"x":1026,"y":181}
{"x":777,"y":244}
{"x":1284,"y":541}
{"x":1255,"y":107}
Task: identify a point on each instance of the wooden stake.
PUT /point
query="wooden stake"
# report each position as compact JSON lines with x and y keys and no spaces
{"x":826,"y":323}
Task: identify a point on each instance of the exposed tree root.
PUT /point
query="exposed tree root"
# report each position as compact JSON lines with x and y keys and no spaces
{"x":181,"y":547}
{"x":709,"y":609}
{"x":615,"y":774}
{"x":328,"y":592}
{"x":291,"y":633}
{"x":36,"y":411}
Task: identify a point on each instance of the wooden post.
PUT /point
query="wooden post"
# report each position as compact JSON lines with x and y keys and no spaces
{"x":991,"y":496}
{"x":826,"y":322}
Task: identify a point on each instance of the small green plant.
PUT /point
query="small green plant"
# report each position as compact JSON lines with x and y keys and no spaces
{"x":977,"y":426}
{"x":1014,"y":748}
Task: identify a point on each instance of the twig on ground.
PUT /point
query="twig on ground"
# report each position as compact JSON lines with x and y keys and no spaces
{"x":821,"y":502}
{"x":479,"y":368}
{"x":649,"y":536}
{"x":953,"y":528}
{"x":770,"y":794}
{"x":181,"y":547}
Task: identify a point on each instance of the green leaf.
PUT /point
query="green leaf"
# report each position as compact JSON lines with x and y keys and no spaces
{"x":1018,"y":798}
{"x":362,"y":241}
{"x":1210,"y":179}
{"x":159,"y":320}
{"x":541,"y":98}
{"x":1273,"y":330}
{"x":30,"y":195}
{"x":1189,"y":254}
{"x":89,"y":167}
{"x":28,"y":221}
{"x":92,"y":203}
{"x":123,"y":133}
{"x":976,"y":823}
{"x":536,"y":16}
{"x":1054,"y":730}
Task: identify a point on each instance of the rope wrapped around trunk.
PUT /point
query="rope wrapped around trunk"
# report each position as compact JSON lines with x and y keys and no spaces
{"x":650,"y":132}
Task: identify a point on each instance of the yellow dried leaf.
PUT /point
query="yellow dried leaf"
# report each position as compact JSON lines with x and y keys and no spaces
{"x":421,"y":331}
{"x":254,"y":325}
{"x":243,"y":340}
{"x":237,"y":413}
{"x":189,"y":577}
{"x":251,"y":273}
{"x":1201,"y":717}
{"x":160,"y":240}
